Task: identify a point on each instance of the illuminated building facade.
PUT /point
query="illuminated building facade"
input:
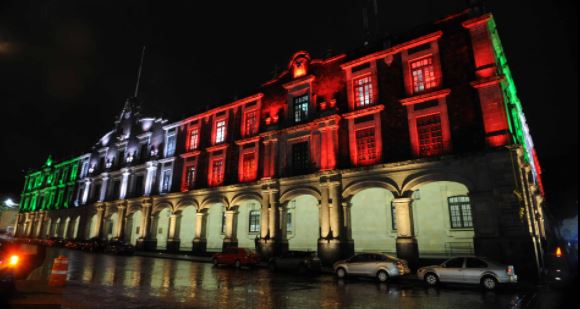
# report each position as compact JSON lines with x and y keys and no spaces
{"x":417,"y":148}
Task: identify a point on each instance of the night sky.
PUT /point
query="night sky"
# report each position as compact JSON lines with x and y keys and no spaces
{"x":66,"y":67}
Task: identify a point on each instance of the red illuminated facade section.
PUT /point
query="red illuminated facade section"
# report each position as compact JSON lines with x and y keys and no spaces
{"x":341,"y":112}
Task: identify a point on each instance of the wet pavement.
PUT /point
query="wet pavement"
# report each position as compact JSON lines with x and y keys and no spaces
{"x":107,"y":281}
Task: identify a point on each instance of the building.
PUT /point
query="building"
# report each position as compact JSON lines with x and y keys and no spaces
{"x":417,"y":146}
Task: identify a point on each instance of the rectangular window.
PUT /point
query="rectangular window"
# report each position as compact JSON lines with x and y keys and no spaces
{"x":366,"y":146}
{"x":143,"y":151}
{"x":251,"y":124}
{"x":393,"y":216}
{"x":363,"y":91}
{"x":423,"y":74}
{"x":300,"y":157}
{"x":460,"y":212}
{"x":289,"y":223}
{"x":301,"y":108}
{"x":220,"y":131}
{"x":116,"y":189}
{"x":193,"y":139}
{"x":248,"y":165}
{"x":430,"y":135}
{"x":218,"y":172}
{"x":190,"y":177}
{"x":166,"y":181}
{"x":85,"y":169}
{"x":170,"y":143}
{"x":139,"y":185}
{"x":254,"y":221}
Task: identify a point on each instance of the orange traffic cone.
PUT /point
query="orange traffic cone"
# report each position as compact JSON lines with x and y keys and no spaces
{"x":58,"y":273}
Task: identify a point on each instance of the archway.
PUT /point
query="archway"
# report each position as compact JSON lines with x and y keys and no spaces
{"x":248,"y":223}
{"x":442,"y":219}
{"x":110,"y":226}
{"x":161,"y":228}
{"x":187,"y":228}
{"x":215,"y":228}
{"x":302,"y":224}
{"x":372,"y":221}
{"x":91,"y":231}
{"x":133,"y":228}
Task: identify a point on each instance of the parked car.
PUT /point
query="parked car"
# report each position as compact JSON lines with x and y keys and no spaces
{"x":119,"y":247}
{"x":237,"y":257}
{"x":296,"y":261}
{"x":93,"y":245}
{"x":375,"y":265}
{"x":470,"y":270}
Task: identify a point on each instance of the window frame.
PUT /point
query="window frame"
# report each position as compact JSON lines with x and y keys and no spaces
{"x":368,"y":92}
{"x":220,"y":131}
{"x":304,"y":116}
{"x":170,"y":151}
{"x":427,"y":83}
{"x":254,"y":217}
{"x":460,"y":208}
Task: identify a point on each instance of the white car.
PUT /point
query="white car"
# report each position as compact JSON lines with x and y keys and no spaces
{"x":374,"y":265}
{"x":468,"y":269}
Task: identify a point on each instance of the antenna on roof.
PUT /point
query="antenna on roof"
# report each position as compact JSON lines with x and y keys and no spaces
{"x":139,"y":72}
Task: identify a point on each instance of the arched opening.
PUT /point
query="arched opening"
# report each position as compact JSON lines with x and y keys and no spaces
{"x":187,"y":228}
{"x":215,"y":227}
{"x":91,"y":231}
{"x":110,"y":226}
{"x":302,"y":224}
{"x":248,"y":223}
{"x":372,"y":221}
{"x":442,"y":219}
{"x":161,"y":228}
{"x":133,"y":228}
{"x":74,"y":227}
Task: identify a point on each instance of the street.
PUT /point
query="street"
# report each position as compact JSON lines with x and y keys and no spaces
{"x":107,"y":281}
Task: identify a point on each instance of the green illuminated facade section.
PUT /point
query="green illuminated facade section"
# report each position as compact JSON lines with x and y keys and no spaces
{"x":50,"y":187}
{"x":516,"y":119}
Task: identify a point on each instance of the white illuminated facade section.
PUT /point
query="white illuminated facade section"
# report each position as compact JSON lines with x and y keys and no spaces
{"x":124,"y":184}
{"x":149,"y":179}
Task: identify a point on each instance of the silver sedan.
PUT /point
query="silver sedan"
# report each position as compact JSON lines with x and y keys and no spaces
{"x":375,"y":265}
{"x":471,"y":270}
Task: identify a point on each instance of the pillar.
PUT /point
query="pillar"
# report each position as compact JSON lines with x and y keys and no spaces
{"x":173,"y":241}
{"x":29,"y":224}
{"x":121,"y":221}
{"x":335,"y":245}
{"x":272,"y":244}
{"x":200,"y":242}
{"x":407,"y":248}
{"x":17,"y":225}
{"x":230,"y":239}
{"x":145,"y":240}
{"x":39,"y":225}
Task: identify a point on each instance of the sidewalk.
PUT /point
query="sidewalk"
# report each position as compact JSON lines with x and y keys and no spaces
{"x":175,"y":256}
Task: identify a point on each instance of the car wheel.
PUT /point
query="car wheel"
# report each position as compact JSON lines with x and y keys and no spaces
{"x":382,"y":276}
{"x":341,"y":273}
{"x":431,"y":279}
{"x":238,"y":264}
{"x":215,"y":262}
{"x":489,"y":283}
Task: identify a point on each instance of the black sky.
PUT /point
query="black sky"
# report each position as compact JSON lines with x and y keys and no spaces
{"x":66,"y":67}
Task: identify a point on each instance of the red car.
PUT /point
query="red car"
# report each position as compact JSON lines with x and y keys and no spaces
{"x":237,"y":257}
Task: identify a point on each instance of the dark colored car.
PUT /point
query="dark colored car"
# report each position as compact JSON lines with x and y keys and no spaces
{"x":237,"y":257}
{"x":17,"y":261}
{"x":299,"y":261}
{"x":93,"y":245}
{"x":119,"y":247}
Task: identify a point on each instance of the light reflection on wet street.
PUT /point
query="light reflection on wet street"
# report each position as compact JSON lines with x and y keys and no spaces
{"x":107,"y":281}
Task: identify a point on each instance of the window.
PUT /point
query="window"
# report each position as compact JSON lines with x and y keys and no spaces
{"x":170,"y":144}
{"x":116,"y":189}
{"x":289,"y":222}
{"x":393,"y":216}
{"x":190,"y":177}
{"x":460,"y":212}
{"x":300,"y":156}
{"x":248,"y":165}
{"x":454,"y":263}
{"x":475,"y":263}
{"x":423,"y":74}
{"x":166,"y":181}
{"x":59,"y":198}
{"x":139,"y":188}
{"x":220,"y":132}
{"x":301,"y":108}
{"x":363,"y":91}
{"x":254,"y":221}
{"x":250,"y":126}
{"x":218,"y":172}
{"x":193,"y":139}
{"x":366,"y":146}
{"x":143,"y":150}
{"x":430,"y":135}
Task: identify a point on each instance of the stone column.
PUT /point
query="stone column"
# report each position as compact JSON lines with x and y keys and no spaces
{"x":324,"y":213}
{"x":264,"y":216}
{"x":199,"y":242}
{"x":336,"y":244}
{"x":39,"y":225}
{"x":173,"y":241}
{"x":17,"y":225}
{"x":230,"y":239}
{"x":407,"y":248}
{"x":30,"y":224}
{"x":145,"y":241}
{"x":335,"y":211}
{"x":346,"y":206}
